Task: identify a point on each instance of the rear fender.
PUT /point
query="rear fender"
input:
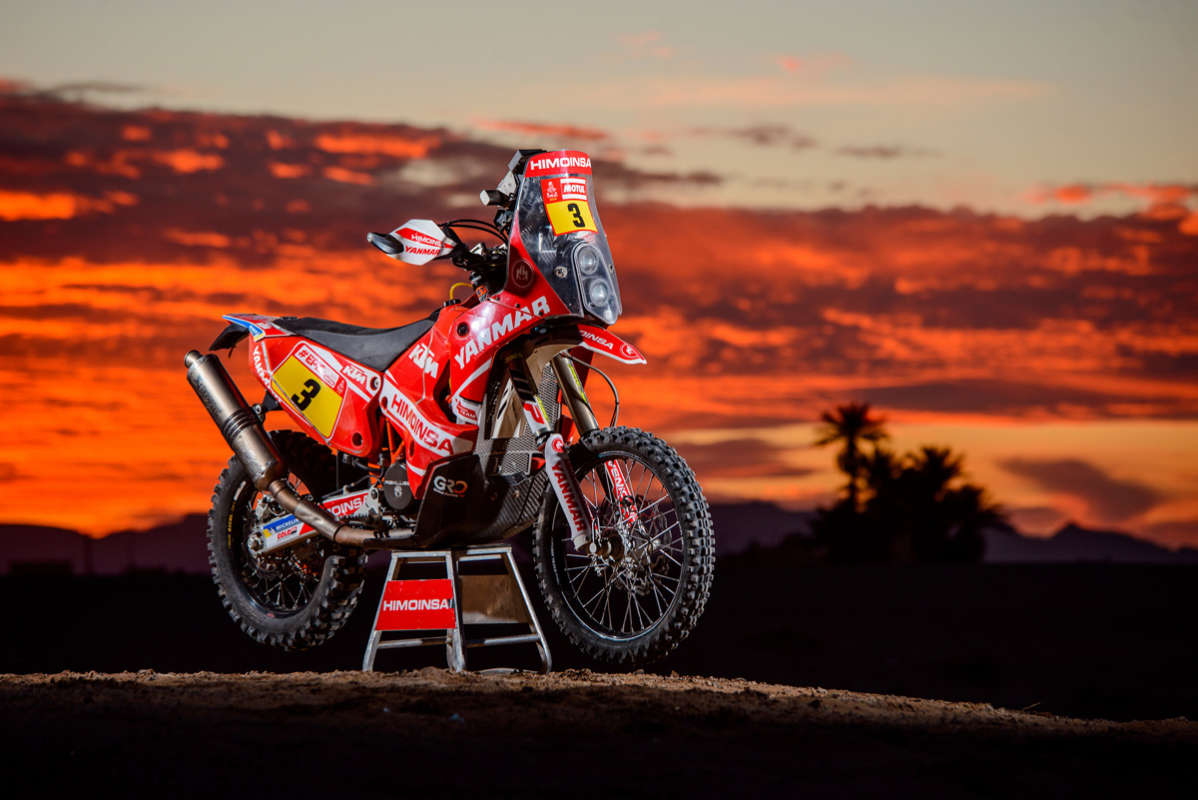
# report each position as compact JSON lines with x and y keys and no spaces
{"x":256,"y":326}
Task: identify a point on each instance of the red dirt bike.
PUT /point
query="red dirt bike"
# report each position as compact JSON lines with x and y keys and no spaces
{"x":470,"y":426}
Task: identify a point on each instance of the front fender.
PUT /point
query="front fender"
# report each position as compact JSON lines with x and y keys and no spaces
{"x":604,"y":342}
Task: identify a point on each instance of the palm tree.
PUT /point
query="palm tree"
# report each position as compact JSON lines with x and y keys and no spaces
{"x":933,"y":513}
{"x":852,"y":425}
{"x":934,"y":468}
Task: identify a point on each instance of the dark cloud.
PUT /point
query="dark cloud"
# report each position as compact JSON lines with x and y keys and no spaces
{"x":884,"y":152}
{"x":1108,"y":498}
{"x":171,"y":186}
{"x":994,"y":396}
{"x":763,"y":135}
{"x":745,"y":457}
{"x":79,"y":90}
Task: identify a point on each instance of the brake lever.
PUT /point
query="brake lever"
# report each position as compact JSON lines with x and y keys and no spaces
{"x":466,"y":259}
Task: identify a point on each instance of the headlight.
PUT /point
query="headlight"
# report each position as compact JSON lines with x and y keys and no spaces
{"x":598,"y":292}
{"x":587,"y":259}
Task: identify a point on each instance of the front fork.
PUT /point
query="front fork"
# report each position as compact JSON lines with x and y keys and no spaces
{"x":583,"y":530}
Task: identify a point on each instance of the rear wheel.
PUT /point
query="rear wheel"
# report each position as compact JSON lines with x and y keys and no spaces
{"x":638,"y":598}
{"x":295,"y":598}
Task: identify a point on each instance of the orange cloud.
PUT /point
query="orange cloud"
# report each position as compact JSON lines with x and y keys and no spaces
{"x":1158,"y":210}
{"x":197,"y":238}
{"x":28,"y":205}
{"x":347,"y":176}
{"x":372,"y":143}
{"x":212,"y":139}
{"x":185,"y":160}
{"x":813,"y":65}
{"x":57,"y":205}
{"x":1076,"y":193}
{"x":135,"y":133}
{"x":117,"y":164}
{"x":280,"y":170}
{"x":789,"y":63}
{"x":278,"y":141}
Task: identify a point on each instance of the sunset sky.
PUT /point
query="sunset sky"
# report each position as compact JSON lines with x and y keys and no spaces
{"x":981,"y":218}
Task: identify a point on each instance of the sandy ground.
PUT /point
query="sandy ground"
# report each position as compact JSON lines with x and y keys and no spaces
{"x":586,"y":734}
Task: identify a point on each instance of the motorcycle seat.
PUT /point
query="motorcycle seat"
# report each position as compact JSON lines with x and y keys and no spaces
{"x":376,"y":348}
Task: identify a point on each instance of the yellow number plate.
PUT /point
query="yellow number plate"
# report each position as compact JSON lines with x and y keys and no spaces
{"x":312,"y":397}
{"x":566,"y":204}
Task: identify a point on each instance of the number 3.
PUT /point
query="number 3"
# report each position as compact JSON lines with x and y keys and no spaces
{"x":579,"y":222}
{"x":304,"y":398}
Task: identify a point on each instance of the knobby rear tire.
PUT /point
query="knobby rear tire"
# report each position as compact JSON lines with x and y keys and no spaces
{"x":697,"y":562}
{"x":334,"y":597}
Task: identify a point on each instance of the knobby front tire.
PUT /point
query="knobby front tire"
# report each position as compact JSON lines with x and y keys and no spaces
{"x":635,"y":608}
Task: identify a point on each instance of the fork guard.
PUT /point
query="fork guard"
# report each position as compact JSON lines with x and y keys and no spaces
{"x":557,"y":462}
{"x":569,"y":493}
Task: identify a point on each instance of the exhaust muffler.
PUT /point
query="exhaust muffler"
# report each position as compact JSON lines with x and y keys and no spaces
{"x":245,"y":435}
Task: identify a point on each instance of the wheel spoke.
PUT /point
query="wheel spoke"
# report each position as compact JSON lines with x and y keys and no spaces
{"x":663,"y":532}
{"x":656,"y":595}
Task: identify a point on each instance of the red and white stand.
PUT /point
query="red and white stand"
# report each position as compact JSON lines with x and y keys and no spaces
{"x":436,"y":610}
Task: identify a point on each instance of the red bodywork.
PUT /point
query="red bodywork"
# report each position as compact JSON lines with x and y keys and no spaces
{"x":432,"y":394}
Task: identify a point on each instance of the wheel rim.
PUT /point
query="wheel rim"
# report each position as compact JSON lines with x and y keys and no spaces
{"x":626,"y":596}
{"x":279,"y":584}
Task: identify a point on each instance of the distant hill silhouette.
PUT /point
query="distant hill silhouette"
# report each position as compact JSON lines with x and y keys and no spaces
{"x":176,"y":547}
{"x":1073,"y":543}
{"x":739,"y":525}
{"x":181,"y":546}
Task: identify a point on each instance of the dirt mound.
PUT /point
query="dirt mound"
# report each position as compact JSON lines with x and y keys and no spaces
{"x":589,"y":734}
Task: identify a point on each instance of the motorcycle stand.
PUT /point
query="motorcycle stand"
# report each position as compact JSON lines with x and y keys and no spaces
{"x":449,"y":604}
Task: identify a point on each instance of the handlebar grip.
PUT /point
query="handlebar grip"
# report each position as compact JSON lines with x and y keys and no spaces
{"x":494,"y":197}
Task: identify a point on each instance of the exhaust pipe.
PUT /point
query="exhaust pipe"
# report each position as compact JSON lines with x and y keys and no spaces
{"x":247,"y":438}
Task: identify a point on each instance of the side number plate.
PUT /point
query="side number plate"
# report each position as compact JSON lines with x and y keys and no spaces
{"x":316,"y":400}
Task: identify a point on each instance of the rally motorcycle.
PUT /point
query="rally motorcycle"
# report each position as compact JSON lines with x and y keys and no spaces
{"x":470,"y":426}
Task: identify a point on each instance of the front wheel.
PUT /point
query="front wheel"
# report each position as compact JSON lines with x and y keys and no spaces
{"x":639,"y":596}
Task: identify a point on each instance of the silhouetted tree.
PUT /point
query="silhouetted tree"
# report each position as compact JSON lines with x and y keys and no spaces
{"x":850,"y":424}
{"x":915,"y":507}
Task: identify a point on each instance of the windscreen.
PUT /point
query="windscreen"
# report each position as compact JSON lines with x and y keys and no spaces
{"x":559,"y":226}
